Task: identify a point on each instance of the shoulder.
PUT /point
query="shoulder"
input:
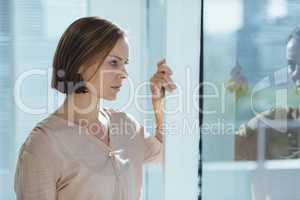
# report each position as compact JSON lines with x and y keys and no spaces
{"x":38,"y":153}
{"x":39,"y":142}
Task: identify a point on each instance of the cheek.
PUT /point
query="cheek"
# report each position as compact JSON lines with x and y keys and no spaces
{"x":107,"y":79}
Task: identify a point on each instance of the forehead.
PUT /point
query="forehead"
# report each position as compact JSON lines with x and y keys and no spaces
{"x":293,"y":49}
{"x":121,"y":48}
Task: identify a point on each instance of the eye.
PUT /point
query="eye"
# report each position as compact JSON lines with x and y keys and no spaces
{"x":114,"y":63}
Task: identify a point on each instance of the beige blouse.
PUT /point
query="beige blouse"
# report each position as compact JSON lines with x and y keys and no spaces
{"x":62,"y":161}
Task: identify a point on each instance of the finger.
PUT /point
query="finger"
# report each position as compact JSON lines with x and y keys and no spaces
{"x":165,"y":82}
{"x":158,"y":82}
{"x":165,"y":77}
{"x":156,"y":88}
{"x":159,"y":75}
{"x":162,"y":86}
{"x":162,"y":75}
{"x":170,"y":84}
{"x":162,"y":61}
{"x":165,"y":69}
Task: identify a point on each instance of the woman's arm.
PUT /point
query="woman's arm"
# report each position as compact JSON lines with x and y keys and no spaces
{"x":158,"y":107}
{"x":160,"y":82}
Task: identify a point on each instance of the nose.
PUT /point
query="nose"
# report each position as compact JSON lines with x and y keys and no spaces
{"x":123,"y":74}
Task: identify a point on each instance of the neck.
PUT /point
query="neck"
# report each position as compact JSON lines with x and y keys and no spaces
{"x":80,"y":107}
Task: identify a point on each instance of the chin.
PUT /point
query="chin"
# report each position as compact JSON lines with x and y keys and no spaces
{"x":110,"y":98}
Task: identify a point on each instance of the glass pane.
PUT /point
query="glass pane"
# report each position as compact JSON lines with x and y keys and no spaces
{"x":251,"y":120}
{"x":182,"y":118}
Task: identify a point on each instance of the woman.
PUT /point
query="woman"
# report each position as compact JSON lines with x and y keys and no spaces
{"x":82,"y":150}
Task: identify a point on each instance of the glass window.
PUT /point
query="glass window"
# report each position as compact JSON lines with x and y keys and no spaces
{"x":251,"y":129}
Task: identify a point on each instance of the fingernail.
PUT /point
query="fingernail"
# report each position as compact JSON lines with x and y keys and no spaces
{"x":162,"y":60}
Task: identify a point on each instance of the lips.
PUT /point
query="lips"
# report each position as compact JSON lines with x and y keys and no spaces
{"x":116,"y":87}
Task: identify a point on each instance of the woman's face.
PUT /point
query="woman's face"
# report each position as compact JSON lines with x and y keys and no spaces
{"x":293,"y":58}
{"x":107,"y":81}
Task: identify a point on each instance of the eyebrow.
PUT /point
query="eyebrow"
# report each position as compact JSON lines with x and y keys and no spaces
{"x":126,"y":59}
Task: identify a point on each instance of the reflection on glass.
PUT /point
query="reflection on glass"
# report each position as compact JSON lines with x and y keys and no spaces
{"x":280,"y":137}
{"x":255,"y":146}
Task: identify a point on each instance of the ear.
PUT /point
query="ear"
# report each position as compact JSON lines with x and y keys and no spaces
{"x":80,"y":70}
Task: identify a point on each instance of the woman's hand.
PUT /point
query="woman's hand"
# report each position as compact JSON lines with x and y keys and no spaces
{"x":160,"y":83}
